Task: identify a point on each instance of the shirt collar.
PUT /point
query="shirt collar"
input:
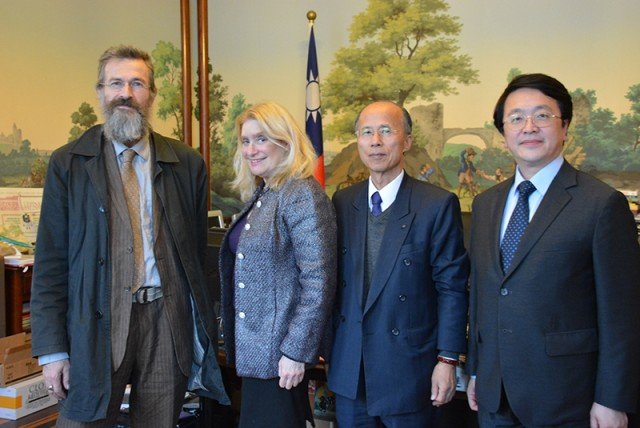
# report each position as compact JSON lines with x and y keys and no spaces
{"x":142,"y":148}
{"x":388,"y":193}
{"x":542,"y":179}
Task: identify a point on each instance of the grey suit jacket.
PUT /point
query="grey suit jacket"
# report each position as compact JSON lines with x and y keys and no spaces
{"x":560,"y":328}
{"x":278,"y":291}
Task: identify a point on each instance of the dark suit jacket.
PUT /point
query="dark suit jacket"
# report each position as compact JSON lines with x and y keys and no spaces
{"x":417,"y":301}
{"x":72,"y":288}
{"x":561,"y":328}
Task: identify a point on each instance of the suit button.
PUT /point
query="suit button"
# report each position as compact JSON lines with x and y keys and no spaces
{"x":247,"y":226}
{"x":402,"y":297}
{"x":344,"y":250}
{"x":344,"y":283}
{"x":506,"y":331}
{"x":241,"y":285}
{"x":395,"y":332}
{"x":127,"y":288}
{"x":240,"y":256}
{"x":404,"y":226}
{"x":98,"y":314}
{"x":407,"y":262}
{"x":100,"y":261}
{"x":504,"y":291}
{"x":102,"y":210}
{"x":342,"y":318}
{"x":242,"y":315}
{"x":259,"y":204}
{"x":129,"y":250}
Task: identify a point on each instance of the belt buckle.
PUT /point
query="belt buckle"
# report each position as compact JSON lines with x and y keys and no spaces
{"x":142,"y":295}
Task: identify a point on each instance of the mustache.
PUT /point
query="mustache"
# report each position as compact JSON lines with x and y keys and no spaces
{"x":127,"y":102}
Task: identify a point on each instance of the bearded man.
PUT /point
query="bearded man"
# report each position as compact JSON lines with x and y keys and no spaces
{"x":119,"y":294}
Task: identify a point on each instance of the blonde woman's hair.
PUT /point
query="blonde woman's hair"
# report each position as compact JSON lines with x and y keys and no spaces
{"x":279,"y":126}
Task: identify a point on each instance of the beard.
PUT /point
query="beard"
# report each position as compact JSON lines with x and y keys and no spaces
{"x":125,"y":126}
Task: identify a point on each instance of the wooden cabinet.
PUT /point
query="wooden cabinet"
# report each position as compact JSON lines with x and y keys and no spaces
{"x":17,"y":296}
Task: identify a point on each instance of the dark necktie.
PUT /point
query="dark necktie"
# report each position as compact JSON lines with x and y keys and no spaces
{"x":517,"y":224}
{"x":376,"y":204}
{"x":132,"y":196}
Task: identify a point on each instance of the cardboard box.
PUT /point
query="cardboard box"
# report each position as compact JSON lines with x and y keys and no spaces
{"x":15,"y":358}
{"x":25,"y":397}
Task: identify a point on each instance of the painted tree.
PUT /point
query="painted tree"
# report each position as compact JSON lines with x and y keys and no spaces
{"x":229,"y":136}
{"x":167,"y":64}
{"x":399,"y":50}
{"x":217,"y":104}
{"x":82,"y":119}
{"x":608,"y":142}
{"x":633,"y":95}
{"x":513,"y":73}
{"x":222,"y":153}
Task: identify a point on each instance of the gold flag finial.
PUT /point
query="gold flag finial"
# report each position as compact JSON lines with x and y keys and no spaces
{"x":311,"y":16}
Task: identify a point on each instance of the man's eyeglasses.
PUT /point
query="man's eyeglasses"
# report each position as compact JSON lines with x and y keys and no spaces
{"x":541,"y":119}
{"x":367,"y":133}
{"x":118,"y":85}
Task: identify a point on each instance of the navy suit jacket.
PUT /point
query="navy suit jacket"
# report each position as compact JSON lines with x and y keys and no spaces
{"x":560,"y":329}
{"x":417,"y":301}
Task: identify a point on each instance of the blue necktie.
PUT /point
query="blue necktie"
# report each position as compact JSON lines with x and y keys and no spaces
{"x":517,"y":224}
{"x":376,"y":204}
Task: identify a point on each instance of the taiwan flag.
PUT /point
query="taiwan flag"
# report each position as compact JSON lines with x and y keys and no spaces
{"x":313,"y":117}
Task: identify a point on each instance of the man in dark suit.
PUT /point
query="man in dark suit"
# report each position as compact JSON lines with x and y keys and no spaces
{"x":555,"y":280}
{"x":119,"y":295}
{"x":400,"y":315}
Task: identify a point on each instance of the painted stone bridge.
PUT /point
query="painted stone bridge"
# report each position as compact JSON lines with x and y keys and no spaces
{"x":429,"y":119}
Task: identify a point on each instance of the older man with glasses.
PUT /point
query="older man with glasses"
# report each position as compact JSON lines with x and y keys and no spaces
{"x":401,"y":304}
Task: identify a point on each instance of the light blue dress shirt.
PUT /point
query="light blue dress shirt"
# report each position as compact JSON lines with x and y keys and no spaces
{"x":542,"y":180}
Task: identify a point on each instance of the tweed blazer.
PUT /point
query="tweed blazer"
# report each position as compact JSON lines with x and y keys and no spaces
{"x":278,"y":290}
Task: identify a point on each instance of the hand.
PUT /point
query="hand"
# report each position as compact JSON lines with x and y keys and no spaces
{"x":443,"y":384}
{"x":56,"y":374}
{"x":604,"y":417}
{"x":290,"y":372}
{"x":471,"y":395}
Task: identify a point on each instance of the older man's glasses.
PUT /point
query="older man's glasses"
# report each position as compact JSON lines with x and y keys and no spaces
{"x":385,"y":132}
{"x":541,"y":119}
{"x":119,"y":85}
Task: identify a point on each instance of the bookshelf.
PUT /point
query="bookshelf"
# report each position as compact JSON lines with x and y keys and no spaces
{"x":17,"y":276}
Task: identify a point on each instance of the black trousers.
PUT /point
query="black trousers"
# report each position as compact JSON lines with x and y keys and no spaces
{"x":265,"y":405}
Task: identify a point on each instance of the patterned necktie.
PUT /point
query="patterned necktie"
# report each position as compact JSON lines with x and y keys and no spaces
{"x":376,"y":204}
{"x":517,"y":224}
{"x":132,"y":196}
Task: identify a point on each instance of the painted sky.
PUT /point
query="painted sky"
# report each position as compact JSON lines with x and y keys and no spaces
{"x":49,"y":51}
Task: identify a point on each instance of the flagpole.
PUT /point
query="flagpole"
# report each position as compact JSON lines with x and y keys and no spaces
{"x":313,"y":120}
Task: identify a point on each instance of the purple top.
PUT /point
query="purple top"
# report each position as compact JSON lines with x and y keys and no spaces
{"x":234,"y":235}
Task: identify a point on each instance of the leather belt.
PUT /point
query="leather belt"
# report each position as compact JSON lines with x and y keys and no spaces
{"x":147,"y":294}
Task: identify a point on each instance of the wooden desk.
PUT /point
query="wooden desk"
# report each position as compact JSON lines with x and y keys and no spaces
{"x":41,"y":419}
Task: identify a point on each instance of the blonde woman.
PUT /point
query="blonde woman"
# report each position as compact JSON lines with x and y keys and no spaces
{"x":277,"y":267}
